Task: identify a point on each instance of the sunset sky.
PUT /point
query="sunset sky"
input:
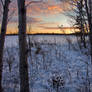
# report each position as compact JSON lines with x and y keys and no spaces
{"x":42,"y":17}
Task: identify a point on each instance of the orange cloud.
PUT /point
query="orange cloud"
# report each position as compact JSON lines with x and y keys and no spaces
{"x":52,"y":7}
{"x":48,"y":24}
{"x":47,"y":8}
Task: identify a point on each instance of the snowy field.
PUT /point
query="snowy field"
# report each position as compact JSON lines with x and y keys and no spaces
{"x":56,"y":64}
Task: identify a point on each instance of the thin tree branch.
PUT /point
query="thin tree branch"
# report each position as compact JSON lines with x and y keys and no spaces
{"x":10,"y":16}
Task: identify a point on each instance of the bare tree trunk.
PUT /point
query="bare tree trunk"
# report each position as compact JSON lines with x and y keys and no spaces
{"x":2,"y":37}
{"x":23,"y":65}
{"x":88,"y":5}
{"x":90,"y":26}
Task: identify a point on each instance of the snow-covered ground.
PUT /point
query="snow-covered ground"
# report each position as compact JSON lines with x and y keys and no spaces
{"x":52,"y":58}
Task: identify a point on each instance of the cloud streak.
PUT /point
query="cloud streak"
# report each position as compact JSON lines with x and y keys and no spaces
{"x":61,"y":28}
{"x":31,"y":20}
{"x":48,"y":8}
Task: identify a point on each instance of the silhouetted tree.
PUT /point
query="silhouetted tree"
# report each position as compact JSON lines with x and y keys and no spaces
{"x":5,"y":5}
{"x":81,"y":21}
{"x":23,"y":64}
{"x":79,"y":18}
{"x":88,"y":6}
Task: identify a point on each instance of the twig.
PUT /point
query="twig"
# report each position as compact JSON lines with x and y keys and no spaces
{"x":10,"y":16}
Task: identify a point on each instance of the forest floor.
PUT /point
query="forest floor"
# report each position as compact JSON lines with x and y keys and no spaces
{"x":56,"y":64}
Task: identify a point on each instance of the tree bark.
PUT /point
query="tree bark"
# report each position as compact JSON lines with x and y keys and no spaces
{"x":23,"y":64}
{"x":88,"y":6}
{"x":2,"y":37}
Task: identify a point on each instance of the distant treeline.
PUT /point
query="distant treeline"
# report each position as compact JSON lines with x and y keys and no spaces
{"x":78,"y":33}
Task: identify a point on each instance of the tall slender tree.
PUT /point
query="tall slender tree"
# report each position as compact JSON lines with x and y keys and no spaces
{"x":88,"y":6}
{"x":5,"y":5}
{"x":23,"y":64}
{"x":79,"y":19}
